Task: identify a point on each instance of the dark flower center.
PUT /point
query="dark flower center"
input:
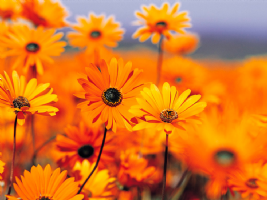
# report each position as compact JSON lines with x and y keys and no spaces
{"x":178,"y":80}
{"x":252,"y":183}
{"x":125,"y":188}
{"x":86,"y":151}
{"x":21,"y":102}
{"x":161,"y":24}
{"x":225,"y":158}
{"x":168,"y":115}
{"x":112,"y":97}
{"x":95,"y":34}
{"x":32,"y":47}
{"x":43,"y":198}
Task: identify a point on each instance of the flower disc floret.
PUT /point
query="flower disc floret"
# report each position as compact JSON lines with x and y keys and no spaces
{"x":21,"y":101}
{"x":161,"y":24}
{"x":112,"y":97}
{"x":86,"y":151}
{"x":252,"y":183}
{"x":32,"y":47}
{"x":168,"y":115}
{"x":95,"y":34}
{"x":225,"y":157}
{"x":44,"y":198}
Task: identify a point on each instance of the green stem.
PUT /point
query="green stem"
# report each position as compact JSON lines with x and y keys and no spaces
{"x":165,"y":169}
{"x":33,"y":137}
{"x":34,"y":75}
{"x":97,"y":161}
{"x":13,"y":158}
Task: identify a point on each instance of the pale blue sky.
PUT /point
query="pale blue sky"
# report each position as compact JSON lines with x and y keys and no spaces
{"x":242,"y":18}
{"x":227,"y":28}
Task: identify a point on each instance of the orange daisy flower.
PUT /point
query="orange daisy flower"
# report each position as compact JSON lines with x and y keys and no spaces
{"x":218,"y":149}
{"x":83,"y":143}
{"x":9,"y":9}
{"x":2,"y":164}
{"x":181,"y":44}
{"x":109,"y":93}
{"x":160,"y":21}
{"x":43,"y":184}
{"x":252,"y":74}
{"x":26,"y":99}
{"x":39,"y":13}
{"x":95,"y":33}
{"x":32,"y":47}
{"x":100,"y":183}
{"x":189,"y":74}
{"x":251,"y":181}
{"x":168,"y":111}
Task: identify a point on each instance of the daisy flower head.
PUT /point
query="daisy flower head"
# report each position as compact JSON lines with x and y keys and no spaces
{"x":84,"y":143}
{"x":251,"y":181}
{"x":32,"y":47}
{"x":252,"y":74}
{"x":167,"y":111}
{"x":96,"y":33}
{"x":218,"y":148}
{"x":46,"y":13}
{"x":45,"y":184}
{"x":101,"y":183}
{"x":160,"y":21}
{"x":189,"y":74}
{"x":25,"y":98}
{"x":109,"y":93}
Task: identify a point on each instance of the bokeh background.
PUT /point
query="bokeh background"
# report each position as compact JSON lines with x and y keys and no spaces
{"x":228,"y":29}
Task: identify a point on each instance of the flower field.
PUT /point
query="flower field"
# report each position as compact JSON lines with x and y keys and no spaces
{"x":83,"y":118}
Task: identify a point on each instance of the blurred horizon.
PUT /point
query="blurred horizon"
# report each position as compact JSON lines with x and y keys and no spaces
{"x":228,"y":29}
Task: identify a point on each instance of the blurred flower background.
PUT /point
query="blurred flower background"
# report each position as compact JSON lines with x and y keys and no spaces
{"x":136,"y":99}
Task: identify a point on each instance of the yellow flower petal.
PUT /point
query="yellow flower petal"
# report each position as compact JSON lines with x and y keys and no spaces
{"x":181,"y":99}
